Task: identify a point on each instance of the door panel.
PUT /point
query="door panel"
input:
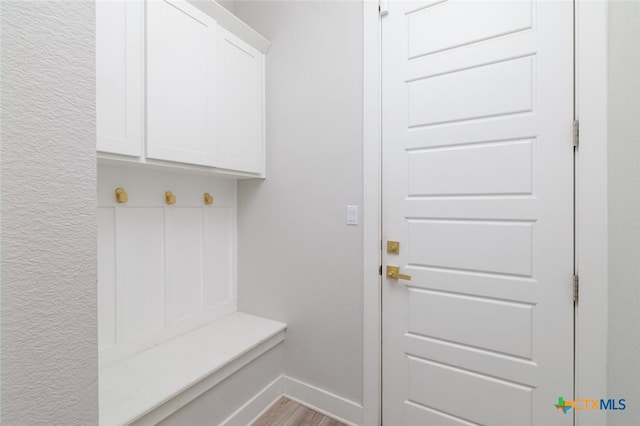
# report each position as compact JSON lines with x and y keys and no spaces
{"x":503,"y":168}
{"x":478,"y":188}
{"x":470,"y":94}
{"x":484,"y":399}
{"x":510,"y":251}
{"x":439,"y":315}
{"x":430,"y":30}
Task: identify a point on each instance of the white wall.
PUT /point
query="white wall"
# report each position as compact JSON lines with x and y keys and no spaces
{"x":48,"y":224}
{"x":624,"y":209}
{"x":228,"y":4}
{"x":299,"y":262}
{"x":0,"y":212}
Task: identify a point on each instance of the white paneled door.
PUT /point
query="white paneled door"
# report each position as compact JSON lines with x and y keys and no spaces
{"x":478,"y":191}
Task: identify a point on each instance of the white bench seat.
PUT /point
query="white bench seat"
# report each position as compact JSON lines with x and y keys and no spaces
{"x":166,"y":377}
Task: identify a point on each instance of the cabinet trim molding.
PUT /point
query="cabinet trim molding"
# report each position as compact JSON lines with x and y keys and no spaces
{"x":232,"y":23}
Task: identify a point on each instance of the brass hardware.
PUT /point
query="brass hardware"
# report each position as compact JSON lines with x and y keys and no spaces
{"x":208,"y":199}
{"x":393,"y":247}
{"x":393,"y":272}
{"x":121,"y":196}
{"x":169,"y":198}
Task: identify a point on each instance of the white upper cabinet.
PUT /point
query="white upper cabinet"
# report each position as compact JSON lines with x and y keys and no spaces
{"x":181,"y":83}
{"x":119,"y":76}
{"x":240,"y":141}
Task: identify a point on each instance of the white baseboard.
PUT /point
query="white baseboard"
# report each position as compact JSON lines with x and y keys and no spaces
{"x":257,"y":405}
{"x":323,"y":401}
{"x":317,"y":399}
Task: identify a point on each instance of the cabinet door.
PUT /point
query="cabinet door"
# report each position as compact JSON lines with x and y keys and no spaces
{"x":181,"y":82}
{"x":240,"y":141}
{"x":119,"y":73}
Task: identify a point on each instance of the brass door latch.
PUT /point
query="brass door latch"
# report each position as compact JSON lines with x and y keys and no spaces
{"x":393,"y":272}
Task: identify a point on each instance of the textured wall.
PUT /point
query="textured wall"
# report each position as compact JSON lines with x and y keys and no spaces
{"x":298,"y":262}
{"x":624,"y":209}
{"x":48,"y":218}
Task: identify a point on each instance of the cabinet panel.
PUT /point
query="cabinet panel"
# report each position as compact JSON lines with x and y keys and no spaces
{"x":181,"y":78}
{"x":119,"y":74}
{"x":240,"y":141}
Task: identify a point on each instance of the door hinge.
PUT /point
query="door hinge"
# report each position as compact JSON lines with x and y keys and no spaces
{"x":576,"y":133}
{"x":383,"y":7}
{"x":576,"y":288}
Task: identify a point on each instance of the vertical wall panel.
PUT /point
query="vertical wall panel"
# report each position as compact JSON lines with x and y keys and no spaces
{"x":218,"y":260}
{"x":140,"y":270}
{"x":172,"y":266}
{"x":183,"y":262}
{"x":106,"y":278}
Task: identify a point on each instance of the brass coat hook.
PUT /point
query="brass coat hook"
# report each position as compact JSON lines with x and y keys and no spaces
{"x":169,"y":198}
{"x":121,"y":196}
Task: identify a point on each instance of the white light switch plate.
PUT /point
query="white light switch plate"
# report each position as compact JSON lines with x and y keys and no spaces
{"x":352,"y":215}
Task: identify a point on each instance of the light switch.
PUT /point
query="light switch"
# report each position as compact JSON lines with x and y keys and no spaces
{"x":352,"y":215}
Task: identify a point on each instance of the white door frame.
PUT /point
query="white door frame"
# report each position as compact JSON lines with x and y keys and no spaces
{"x":372,"y":300}
{"x":591,"y":209}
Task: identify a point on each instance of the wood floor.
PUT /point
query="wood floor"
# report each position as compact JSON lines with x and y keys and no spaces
{"x":288,"y":413}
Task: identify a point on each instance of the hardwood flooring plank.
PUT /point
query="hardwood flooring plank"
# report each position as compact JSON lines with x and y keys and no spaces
{"x":278,"y":413}
{"x":289,"y":413}
{"x":328,"y":421}
{"x":303,"y":416}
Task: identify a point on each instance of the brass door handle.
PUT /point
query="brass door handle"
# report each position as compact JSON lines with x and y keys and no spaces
{"x":393,"y":272}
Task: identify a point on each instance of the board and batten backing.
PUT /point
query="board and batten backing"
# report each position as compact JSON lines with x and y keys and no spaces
{"x":162,"y":269}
